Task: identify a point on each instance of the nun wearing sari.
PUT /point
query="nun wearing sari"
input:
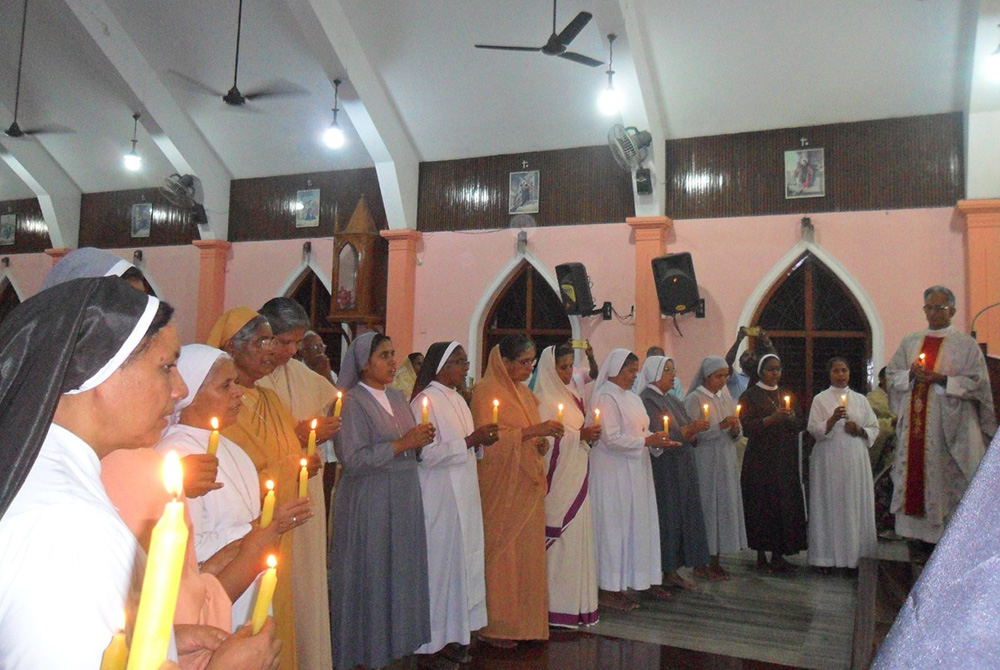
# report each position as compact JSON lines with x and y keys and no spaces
{"x":569,"y":521}
{"x":512,"y":485}
{"x":625,"y":516}
{"x":717,"y":462}
{"x":379,"y":601}
{"x":675,"y":475}
{"x":265,"y":431}
{"x":453,"y":510}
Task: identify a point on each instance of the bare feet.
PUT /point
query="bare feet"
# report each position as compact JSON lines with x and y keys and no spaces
{"x":657,"y":592}
{"x":675,"y":579}
{"x":616,"y":600}
{"x":713,"y":573}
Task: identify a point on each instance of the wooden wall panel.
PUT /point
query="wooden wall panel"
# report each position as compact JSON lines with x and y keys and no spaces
{"x":263,"y":208}
{"x":31,"y":235}
{"x":582,"y":185}
{"x":870,"y":165}
{"x":106,"y":220}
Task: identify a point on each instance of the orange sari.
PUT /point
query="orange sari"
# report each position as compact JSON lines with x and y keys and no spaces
{"x":512,"y":485}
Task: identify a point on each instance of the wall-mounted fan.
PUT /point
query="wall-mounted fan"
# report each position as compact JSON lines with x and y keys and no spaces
{"x":630,"y":147}
{"x":557,"y":44}
{"x":184,"y":192}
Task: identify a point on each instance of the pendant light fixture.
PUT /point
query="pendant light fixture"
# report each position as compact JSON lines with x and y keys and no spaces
{"x":334,"y":136}
{"x":610,"y":100}
{"x":132,"y":160}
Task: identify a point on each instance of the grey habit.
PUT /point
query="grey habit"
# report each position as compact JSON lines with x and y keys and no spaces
{"x":379,"y":600}
{"x":683,"y":541}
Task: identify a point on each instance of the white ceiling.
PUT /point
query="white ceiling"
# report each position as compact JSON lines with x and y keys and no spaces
{"x":712,"y":66}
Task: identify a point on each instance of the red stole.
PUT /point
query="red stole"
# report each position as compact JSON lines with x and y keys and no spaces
{"x":913,"y":502}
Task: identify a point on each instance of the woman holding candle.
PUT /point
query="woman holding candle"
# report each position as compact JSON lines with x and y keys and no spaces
{"x":772,"y":491}
{"x":512,"y":484}
{"x":569,"y":520}
{"x":718,"y":466}
{"x":683,"y":542}
{"x":453,"y":510}
{"x":379,"y":602}
{"x":625,"y":515}
{"x":841,"y":492}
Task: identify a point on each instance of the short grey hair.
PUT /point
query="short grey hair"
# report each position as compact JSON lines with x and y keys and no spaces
{"x":285,"y":315}
{"x":937,"y":288}
{"x":243,"y":336}
{"x":312,"y":332}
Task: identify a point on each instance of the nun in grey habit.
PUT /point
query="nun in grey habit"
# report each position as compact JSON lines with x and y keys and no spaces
{"x":379,"y":602}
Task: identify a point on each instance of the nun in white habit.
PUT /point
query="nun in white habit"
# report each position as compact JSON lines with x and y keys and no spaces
{"x":453,"y":511}
{"x":626,"y":525}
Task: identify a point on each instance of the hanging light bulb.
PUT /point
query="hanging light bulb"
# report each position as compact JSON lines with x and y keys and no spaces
{"x":610,"y":100}
{"x":333,"y":137}
{"x":132,"y":160}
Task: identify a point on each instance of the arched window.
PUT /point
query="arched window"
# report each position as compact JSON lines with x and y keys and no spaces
{"x":309,"y":292}
{"x":8,"y":298}
{"x":526,"y":304}
{"x":811,"y":317}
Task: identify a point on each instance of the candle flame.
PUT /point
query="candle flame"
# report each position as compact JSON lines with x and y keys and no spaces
{"x":425,"y":401}
{"x":496,"y":403}
{"x":121,"y":622}
{"x":705,"y":407}
{"x":314,"y":424}
{"x":272,"y":562}
{"x":339,"y":395}
{"x":270,"y":485}
{"x":215,"y":423}
{"x":173,"y":474}
{"x":597,"y":413}
{"x":560,"y":407}
{"x":303,"y":462}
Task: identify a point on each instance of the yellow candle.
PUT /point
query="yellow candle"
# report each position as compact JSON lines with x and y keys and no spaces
{"x":666,"y":423}
{"x":267,"y":513}
{"x":843,"y":401}
{"x":336,"y":406}
{"x":788,"y":402}
{"x":738,"y":408}
{"x":423,"y":411}
{"x":704,"y":411}
{"x":311,"y":447}
{"x":496,"y":410}
{"x":116,"y":653}
{"x":597,"y":416}
{"x":559,"y":416}
{"x":303,"y":478}
{"x":154,"y":621}
{"x":213,"y":439}
{"x":264,"y":595}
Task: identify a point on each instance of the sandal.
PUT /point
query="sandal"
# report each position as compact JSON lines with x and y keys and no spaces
{"x":679,"y":582}
{"x":657,"y":592}
{"x":616,"y":601}
{"x":706,"y":572}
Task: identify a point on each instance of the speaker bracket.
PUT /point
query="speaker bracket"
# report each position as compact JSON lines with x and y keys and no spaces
{"x":699,"y":310}
{"x":604,"y":311}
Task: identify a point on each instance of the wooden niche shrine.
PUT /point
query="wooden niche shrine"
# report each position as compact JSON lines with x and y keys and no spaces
{"x":360,"y":271}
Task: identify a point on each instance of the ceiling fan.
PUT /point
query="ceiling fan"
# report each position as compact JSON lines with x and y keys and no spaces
{"x":557,"y":44}
{"x":14,"y":130}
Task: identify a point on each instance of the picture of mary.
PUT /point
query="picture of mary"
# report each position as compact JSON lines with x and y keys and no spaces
{"x":805,"y":176}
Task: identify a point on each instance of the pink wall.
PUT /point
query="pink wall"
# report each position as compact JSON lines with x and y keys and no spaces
{"x":27,"y":271}
{"x":893,"y":255}
{"x":258,"y":271}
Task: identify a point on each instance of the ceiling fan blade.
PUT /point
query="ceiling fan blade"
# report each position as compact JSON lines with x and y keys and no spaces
{"x":580,"y":58}
{"x":280,"y":88}
{"x":573,"y":29}
{"x":506,"y":48}
{"x":195,"y":85}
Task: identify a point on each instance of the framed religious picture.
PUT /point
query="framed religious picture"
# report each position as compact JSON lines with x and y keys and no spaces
{"x":8,"y":229}
{"x":142,"y":219}
{"x":805,"y":174}
{"x":523,"y":195}
{"x":307,"y":208}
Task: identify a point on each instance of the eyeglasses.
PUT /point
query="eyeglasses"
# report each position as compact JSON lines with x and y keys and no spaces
{"x":264,"y":343}
{"x":526,"y":362}
{"x":462,"y":363}
{"x":314,"y":348}
{"x":936,"y":308}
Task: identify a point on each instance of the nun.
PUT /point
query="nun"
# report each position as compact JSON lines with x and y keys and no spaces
{"x":718,"y":466}
{"x":453,"y":510}
{"x":675,"y":476}
{"x":91,"y":262}
{"x":624,"y":500}
{"x":86,"y":368}
{"x":379,"y":600}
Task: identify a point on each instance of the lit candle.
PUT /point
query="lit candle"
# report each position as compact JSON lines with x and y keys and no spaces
{"x":304,"y":478}
{"x":213,"y":439}
{"x":116,"y":653}
{"x":496,"y":410}
{"x":788,"y":402}
{"x":704,"y":411}
{"x":336,"y":406}
{"x":423,"y":411}
{"x":154,"y":622}
{"x":597,"y":416}
{"x":311,"y":446}
{"x":738,"y":408}
{"x":267,"y":513}
{"x":264,"y":595}
{"x":560,"y":415}
{"x":923,"y":356}
{"x":843,"y":401}
{"x":666,"y":423}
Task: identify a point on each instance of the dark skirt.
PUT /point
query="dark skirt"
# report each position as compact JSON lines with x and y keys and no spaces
{"x":683,"y":541}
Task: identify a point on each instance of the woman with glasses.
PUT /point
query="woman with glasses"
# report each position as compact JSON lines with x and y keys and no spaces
{"x":512,"y":486}
{"x":453,"y":512}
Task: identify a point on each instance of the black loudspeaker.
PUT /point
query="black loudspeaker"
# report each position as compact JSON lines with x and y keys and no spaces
{"x":575,"y":288}
{"x":676,"y":286}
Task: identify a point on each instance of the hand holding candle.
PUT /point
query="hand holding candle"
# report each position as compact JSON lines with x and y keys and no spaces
{"x":267,"y":512}
{"x":311,"y":446}
{"x":213,"y":439}
{"x":264,"y":595}
{"x":336,"y":406}
{"x":155,"y":619}
{"x":496,"y":410}
{"x":304,"y":478}
{"x":117,"y":652}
